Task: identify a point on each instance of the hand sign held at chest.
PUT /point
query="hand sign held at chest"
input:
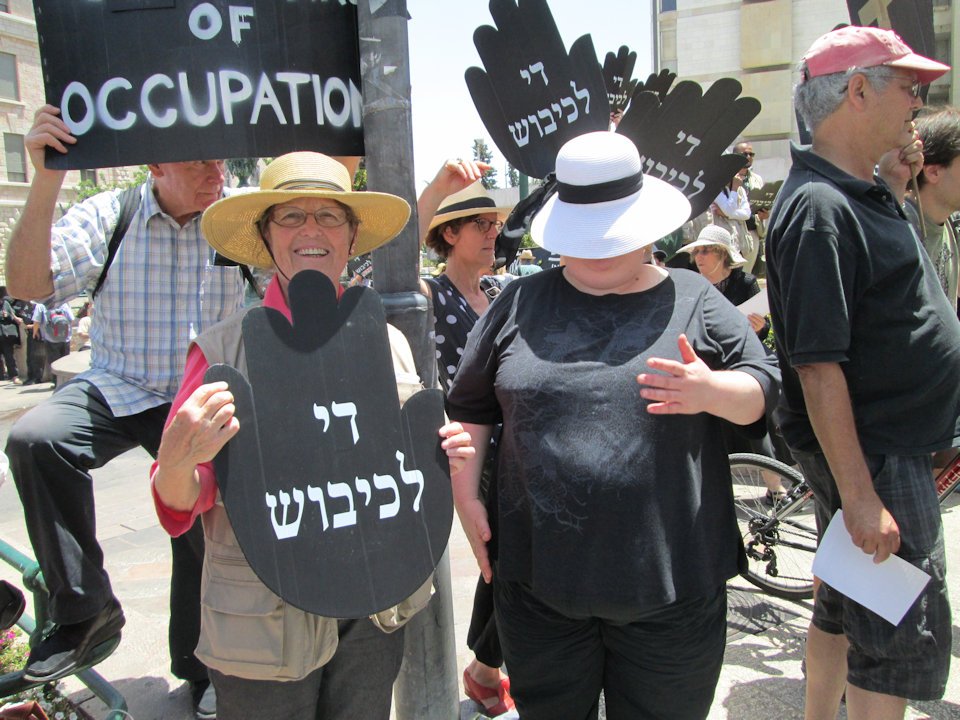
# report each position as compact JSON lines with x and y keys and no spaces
{"x":340,"y":498}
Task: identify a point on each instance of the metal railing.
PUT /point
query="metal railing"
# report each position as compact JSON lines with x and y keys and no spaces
{"x":14,"y":682}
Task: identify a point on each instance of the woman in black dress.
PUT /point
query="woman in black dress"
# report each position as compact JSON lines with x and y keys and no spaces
{"x":460,"y":223}
{"x":617,"y":529}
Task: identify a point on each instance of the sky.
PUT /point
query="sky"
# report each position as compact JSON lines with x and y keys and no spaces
{"x":445,"y":122}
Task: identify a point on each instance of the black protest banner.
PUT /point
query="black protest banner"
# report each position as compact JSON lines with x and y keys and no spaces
{"x":163,"y":82}
{"x":762,"y":198}
{"x":683,"y":140}
{"x":618,"y":77}
{"x":340,"y":499}
{"x":531,"y":94}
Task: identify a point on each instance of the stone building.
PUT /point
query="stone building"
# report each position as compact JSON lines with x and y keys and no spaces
{"x":759,"y":42}
{"x":21,"y":94}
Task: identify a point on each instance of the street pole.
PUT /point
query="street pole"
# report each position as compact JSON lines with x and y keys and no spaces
{"x":427,"y":686}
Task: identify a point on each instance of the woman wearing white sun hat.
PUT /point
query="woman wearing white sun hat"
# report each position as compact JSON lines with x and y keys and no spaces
{"x":616,"y":527}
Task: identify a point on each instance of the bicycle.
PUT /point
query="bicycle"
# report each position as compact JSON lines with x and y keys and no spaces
{"x":779,"y":531}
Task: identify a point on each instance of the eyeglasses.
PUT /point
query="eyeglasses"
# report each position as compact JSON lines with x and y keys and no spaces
{"x":702,"y":251}
{"x":913,"y":89}
{"x":294,"y":217}
{"x":484,"y":225}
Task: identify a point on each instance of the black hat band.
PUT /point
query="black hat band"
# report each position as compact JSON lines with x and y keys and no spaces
{"x":476,"y":203}
{"x":308,"y":185}
{"x":601,"y":192}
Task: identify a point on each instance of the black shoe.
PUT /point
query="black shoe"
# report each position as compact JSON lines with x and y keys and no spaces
{"x":12,"y":604}
{"x":774,"y":498}
{"x":204,"y":700}
{"x":70,"y":647}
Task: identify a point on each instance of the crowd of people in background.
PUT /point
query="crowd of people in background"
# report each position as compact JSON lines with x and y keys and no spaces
{"x":33,"y":338}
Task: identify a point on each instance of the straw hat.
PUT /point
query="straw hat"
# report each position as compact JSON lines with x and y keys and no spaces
{"x":716,"y":236}
{"x":472,"y":200}
{"x":605,"y":206}
{"x":526,"y":254}
{"x":230,"y":224}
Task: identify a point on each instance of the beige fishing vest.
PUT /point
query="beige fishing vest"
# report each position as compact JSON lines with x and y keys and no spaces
{"x":246,"y":630}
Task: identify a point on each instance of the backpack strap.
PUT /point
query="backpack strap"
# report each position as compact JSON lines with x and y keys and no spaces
{"x":129,"y":203}
{"x":251,"y":280}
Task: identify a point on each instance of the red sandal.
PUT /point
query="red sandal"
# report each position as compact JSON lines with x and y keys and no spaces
{"x":494,"y":701}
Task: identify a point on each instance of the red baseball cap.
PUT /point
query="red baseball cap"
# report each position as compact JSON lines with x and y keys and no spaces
{"x":854,"y":46}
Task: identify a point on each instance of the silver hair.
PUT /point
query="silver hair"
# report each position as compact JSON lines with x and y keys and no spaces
{"x":817,"y":98}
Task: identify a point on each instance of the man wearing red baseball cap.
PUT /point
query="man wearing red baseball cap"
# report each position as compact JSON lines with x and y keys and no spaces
{"x":849,"y":284}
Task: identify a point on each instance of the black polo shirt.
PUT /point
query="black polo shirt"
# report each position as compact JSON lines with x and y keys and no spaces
{"x":849,"y":283}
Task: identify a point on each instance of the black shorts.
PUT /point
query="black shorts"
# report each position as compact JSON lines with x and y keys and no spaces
{"x":910,"y":660}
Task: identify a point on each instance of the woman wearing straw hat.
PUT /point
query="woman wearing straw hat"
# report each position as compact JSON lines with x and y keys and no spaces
{"x":268,"y":659}
{"x":611,"y":375}
{"x":719,"y":261}
{"x":463,"y":233}
{"x":460,"y":222}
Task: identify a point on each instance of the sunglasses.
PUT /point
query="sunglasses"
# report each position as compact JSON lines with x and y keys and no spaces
{"x":484,"y":225}
{"x":749,"y":154}
{"x":703,"y":251}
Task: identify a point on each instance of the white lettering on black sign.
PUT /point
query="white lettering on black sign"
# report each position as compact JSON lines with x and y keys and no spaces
{"x":258,"y":78}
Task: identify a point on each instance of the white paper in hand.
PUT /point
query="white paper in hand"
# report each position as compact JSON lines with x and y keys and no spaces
{"x":888,"y":589}
{"x":758,"y":304}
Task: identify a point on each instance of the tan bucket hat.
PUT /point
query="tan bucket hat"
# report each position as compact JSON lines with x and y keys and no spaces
{"x":230,"y":224}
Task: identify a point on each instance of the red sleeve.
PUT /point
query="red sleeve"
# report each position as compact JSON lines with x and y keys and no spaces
{"x":177,"y":522}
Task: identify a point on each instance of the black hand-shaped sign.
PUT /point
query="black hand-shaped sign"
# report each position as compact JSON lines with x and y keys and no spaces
{"x":340,"y":499}
{"x":617,"y":77}
{"x":683,"y":140}
{"x":533,"y":96}
{"x":658,"y":83}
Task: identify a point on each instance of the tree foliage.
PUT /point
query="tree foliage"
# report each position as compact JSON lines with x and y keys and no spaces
{"x":242,"y":169}
{"x":86,"y":188}
{"x":513,"y":177}
{"x":360,"y":179}
{"x":482,"y":153}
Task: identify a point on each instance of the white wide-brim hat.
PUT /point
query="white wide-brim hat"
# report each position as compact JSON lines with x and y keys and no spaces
{"x":230,"y":225}
{"x":605,"y":206}
{"x":716,"y":236}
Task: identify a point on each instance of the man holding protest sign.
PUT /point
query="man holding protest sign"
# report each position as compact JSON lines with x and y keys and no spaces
{"x":162,"y":288}
{"x":847,"y":279}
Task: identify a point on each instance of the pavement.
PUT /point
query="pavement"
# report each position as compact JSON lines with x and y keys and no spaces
{"x":761,"y":676}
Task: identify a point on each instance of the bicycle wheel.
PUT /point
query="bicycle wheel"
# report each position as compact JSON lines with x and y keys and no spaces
{"x":779,"y":532}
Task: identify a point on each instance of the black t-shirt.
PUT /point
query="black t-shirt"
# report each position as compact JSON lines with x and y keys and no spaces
{"x":849,"y":283}
{"x":605,"y":509}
